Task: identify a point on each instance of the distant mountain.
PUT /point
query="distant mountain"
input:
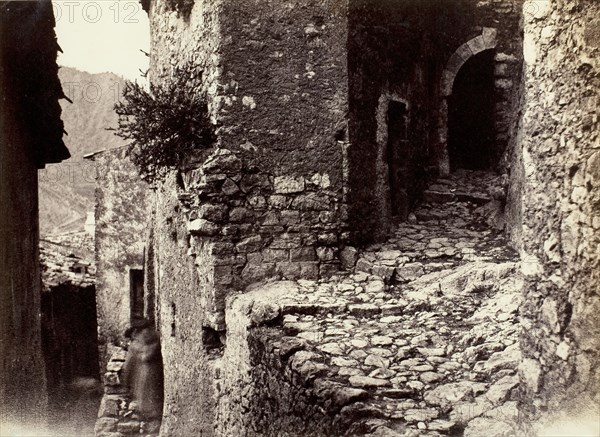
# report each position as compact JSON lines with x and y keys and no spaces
{"x":67,"y":189}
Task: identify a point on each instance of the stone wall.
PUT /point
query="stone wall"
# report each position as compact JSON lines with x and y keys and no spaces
{"x":116,"y":417}
{"x":122,"y":217}
{"x":267,"y":380}
{"x":246,"y":226}
{"x":561,"y":217}
{"x":189,"y":374}
{"x":280,"y":112}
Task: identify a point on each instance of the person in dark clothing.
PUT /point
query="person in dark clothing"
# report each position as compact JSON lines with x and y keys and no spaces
{"x":143,"y":370}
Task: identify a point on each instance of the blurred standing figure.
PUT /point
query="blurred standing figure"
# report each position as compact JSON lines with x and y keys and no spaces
{"x":143,"y":370}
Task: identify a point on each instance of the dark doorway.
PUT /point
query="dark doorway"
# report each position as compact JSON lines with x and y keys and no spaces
{"x":70,"y":346}
{"x":471,"y":115}
{"x":398,"y":158}
{"x":136,"y":289}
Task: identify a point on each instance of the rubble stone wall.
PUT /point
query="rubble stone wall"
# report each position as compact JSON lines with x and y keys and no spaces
{"x":245,"y":226}
{"x":274,"y":204}
{"x":116,"y":417}
{"x":267,"y":382}
{"x":291,"y":401}
{"x":189,"y":377}
{"x":561,"y":214}
{"x":121,"y":228}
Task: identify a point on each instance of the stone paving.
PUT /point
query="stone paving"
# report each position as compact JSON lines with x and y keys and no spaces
{"x":424,"y":331}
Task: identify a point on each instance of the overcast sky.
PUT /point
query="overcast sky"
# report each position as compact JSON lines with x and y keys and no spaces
{"x":103,"y":35}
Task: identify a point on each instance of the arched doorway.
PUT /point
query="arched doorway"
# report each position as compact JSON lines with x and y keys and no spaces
{"x":472,"y":48}
{"x":471,"y":115}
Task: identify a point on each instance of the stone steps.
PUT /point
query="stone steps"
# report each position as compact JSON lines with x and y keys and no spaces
{"x":451,"y":227}
{"x":420,"y":359}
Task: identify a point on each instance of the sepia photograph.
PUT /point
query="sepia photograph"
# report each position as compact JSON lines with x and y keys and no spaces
{"x":299,"y":218}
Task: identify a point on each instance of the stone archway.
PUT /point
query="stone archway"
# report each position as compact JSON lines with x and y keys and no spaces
{"x":487,"y":40}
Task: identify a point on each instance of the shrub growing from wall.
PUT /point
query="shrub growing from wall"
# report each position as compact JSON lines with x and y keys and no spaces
{"x":165,"y":123}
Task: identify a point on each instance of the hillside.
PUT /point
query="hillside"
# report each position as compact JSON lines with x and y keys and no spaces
{"x":67,"y":189}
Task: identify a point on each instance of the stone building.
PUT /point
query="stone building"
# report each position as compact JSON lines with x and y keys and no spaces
{"x":120,"y":225}
{"x":30,"y":137}
{"x":378,"y":166}
{"x":69,"y":331}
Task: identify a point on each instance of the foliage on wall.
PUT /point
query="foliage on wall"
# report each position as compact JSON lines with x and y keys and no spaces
{"x":164,"y":123}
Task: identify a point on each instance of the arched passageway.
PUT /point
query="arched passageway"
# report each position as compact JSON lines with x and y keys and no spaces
{"x":471,"y":115}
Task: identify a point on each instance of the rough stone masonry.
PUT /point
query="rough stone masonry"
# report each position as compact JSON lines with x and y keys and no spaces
{"x":560,"y":211}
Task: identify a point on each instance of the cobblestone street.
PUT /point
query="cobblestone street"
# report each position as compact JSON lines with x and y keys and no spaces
{"x":424,"y":333}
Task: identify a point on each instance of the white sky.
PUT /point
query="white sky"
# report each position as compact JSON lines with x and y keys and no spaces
{"x":103,"y":35}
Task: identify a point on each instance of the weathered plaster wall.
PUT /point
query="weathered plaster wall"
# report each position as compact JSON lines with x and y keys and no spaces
{"x":561,"y":214}
{"x":122,"y":217}
{"x":285,"y":65}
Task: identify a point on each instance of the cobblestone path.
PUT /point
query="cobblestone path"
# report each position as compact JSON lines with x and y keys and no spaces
{"x":424,"y":333}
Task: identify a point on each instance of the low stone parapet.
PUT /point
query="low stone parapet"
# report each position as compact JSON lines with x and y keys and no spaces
{"x":117,"y":416}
